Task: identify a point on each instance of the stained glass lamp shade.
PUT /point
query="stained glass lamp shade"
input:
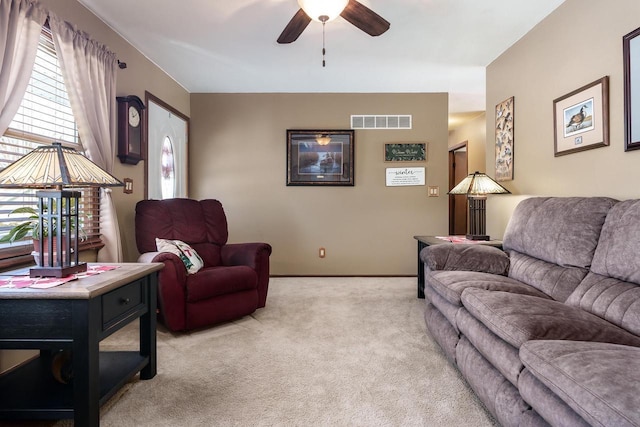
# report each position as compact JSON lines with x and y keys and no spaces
{"x":476,"y":186}
{"x":50,"y":169}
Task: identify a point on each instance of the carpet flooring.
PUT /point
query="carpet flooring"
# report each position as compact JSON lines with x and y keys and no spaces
{"x":323,"y":352}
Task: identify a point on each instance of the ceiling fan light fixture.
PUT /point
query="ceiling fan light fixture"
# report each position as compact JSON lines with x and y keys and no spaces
{"x":328,"y":9}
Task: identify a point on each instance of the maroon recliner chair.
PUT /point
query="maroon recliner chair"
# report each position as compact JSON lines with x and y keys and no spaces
{"x":235,"y":277}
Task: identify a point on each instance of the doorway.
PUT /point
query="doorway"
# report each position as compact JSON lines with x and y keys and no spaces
{"x":458,"y":170}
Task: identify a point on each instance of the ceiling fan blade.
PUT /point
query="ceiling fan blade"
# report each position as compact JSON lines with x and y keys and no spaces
{"x":294,"y":28}
{"x":364,"y":18}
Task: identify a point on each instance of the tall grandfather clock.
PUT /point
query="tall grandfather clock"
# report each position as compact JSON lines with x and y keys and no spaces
{"x":131,"y":133}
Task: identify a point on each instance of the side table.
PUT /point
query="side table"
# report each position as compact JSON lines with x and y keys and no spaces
{"x":424,"y":241}
{"x":76,"y":316}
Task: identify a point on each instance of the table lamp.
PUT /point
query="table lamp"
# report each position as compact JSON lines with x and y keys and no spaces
{"x":476,"y":186}
{"x":50,"y":169}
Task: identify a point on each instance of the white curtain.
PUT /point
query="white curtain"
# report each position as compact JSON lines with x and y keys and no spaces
{"x":20,"y":25}
{"x":89,"y":71}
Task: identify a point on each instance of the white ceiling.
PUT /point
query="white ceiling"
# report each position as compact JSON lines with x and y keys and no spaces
{"x":230,"y":46}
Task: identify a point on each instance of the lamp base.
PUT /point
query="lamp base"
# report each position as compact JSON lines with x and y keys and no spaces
{"x":58,"y":271}
{"x":477,"y":237}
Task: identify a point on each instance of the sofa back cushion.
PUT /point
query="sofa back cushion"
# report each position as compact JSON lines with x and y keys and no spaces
{"x":618,"y":250}
{"x":559,"y":230}
{"x":551,"y":241}
{"x":556,"y":281}
{"x":199,"y":223}
{"x":612,"y":288}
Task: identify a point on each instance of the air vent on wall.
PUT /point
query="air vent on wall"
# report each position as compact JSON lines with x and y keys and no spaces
{"x":380,"y":122}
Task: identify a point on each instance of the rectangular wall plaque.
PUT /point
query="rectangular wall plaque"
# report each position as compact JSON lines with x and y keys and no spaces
{"x":405,"y":152}
{"x":397,"y":177}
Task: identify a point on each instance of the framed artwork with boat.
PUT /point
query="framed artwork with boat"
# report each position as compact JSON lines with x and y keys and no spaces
{"x":320,"y":157}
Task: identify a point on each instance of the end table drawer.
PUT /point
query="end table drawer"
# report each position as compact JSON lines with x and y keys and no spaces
{"x":120,"y":301}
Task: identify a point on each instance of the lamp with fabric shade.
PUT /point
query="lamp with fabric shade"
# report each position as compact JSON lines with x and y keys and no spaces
{"x":50,"y":169}
{"x":476,"y":186}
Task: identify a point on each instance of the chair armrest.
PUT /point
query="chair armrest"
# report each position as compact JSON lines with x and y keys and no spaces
{"x":171,"y":288}
{"x":469,"y":257}
{"x":249,"y":254}
{"x":254,"y":255}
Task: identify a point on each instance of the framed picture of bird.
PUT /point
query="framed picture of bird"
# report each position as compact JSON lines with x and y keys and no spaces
{"x":581,"y":118}
{"x":504,"y":140}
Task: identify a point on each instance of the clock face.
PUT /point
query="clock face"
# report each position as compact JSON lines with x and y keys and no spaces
{"x":134,"y":117}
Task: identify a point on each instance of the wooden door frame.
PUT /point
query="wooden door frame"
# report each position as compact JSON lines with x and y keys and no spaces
{"x":452,"y":182}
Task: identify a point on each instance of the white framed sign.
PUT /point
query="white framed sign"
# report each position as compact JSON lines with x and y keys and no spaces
{"x":397,"y":177}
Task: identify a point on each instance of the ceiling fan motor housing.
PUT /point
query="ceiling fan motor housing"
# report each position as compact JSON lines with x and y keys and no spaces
{"x":323,"y":10}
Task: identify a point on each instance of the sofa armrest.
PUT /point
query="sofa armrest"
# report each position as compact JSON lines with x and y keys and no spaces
{"x":470,"y":257}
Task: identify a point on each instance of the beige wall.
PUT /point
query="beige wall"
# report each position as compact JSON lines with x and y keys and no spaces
{"x":475,"y":133}
{"x":577,"y":44}
{"x":140,"y":75}
{"x":238,"y":155}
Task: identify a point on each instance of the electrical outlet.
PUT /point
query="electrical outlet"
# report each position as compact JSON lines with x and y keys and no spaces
{"x":434,"y":191}
{"x":322,"y":252}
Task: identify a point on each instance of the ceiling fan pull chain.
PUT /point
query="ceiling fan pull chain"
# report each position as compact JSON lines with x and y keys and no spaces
{"x":323,"y":19}
{"x":324,"y":51}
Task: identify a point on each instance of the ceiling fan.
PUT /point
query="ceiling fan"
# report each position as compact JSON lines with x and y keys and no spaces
{"x":323,"y":11}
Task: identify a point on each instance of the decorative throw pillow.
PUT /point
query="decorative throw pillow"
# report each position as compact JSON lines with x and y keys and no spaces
{"x":192,"y":261}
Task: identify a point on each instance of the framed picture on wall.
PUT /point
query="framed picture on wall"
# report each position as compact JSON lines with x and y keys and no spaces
{"x":631,"y":52}
{"x":504,"y":140}
{"x":320,"y":157}
{"x":581,"y":118}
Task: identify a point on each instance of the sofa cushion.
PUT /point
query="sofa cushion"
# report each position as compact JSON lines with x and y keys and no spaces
{"x":520,"y":318}
{"x":210,"y":253}
{"x":216,"y":281}
{"x":599,"y":381}
{"x":616,"y":255}
{"x":442,"y":331}
{"x":499,"y":395}
{"x":554,"y":280}
{"x":546,"y":403}
{"x":470,"y":257}
{"x":451,"y":284}
{"x":614,"y":300}
{"x":611,"y":289}
{"x":559,"y":230}
{"x":447,"y":309}
{"x":503,"y":356}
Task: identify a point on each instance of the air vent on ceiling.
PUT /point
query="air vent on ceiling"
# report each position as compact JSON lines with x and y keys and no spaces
{"x":380,"y":122}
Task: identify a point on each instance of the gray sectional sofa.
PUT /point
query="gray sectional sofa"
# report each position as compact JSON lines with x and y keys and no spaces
{"x":547,"y":331}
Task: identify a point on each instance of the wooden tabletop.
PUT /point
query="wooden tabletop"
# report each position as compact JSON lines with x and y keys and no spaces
{"x":86,"y":287}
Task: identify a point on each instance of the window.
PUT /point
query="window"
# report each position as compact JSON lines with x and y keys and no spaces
{"x":167,"y":167}
{"x":44,"y":116}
